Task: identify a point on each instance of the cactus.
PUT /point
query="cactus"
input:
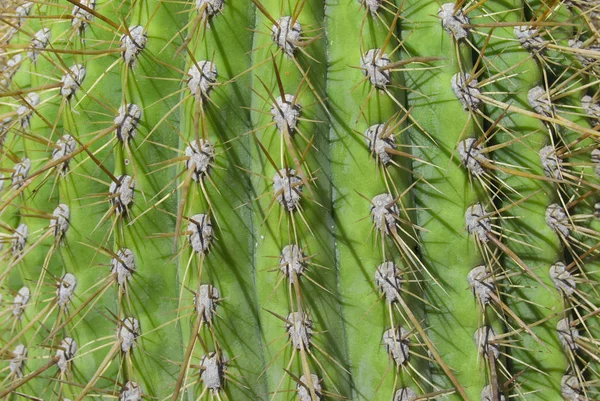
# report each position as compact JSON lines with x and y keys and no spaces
{"x":308,"y":200}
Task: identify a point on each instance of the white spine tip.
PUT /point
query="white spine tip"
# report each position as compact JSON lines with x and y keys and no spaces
{"x":285,"y":113}
{"x":466,"y":90}
{"x":123,"y":266}
{"x":202,"y":76}
{"x":287,"y":187}
{"x":396,"y":343}
{"x":286,"y":35}
{"x":299,"y":327}
{"x":380,"y":141}
{"x":127,"y":120}
{"x":200,"y":233}
{"x":303,"y":388}
{"x":292,"y":262}
{"x":65,"y":288}
{"x":212,"y":370}
{"x":388,"y":281}
{"x":373,"y":64}
{"x":482,"y":284}
{"x":65,"y":353}
{"x":472,"y":156}
{"x":453,"y":21}
{"x":484,"y":340}
{"x":133,"y":43}
{"x":121,"y":194}
{"x":127,"y":333}
{"x":477,"y":222}
{"x":556,"y":219}
{"x":384,"y":212}
{"x":200,"y":155}
{"x":205,"y":302}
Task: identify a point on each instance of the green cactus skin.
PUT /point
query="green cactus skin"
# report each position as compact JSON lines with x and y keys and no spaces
{"x":337,"y":224}
{"x":358,"y":176}
{"x":442,"y":197}
{"x":527,"y":218}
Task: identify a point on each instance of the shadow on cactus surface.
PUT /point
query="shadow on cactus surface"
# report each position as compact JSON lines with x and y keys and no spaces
{"x":299,"y":200}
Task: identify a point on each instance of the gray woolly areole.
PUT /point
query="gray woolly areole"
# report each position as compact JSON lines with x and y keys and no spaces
{"x":121,"y":193}
{"x":133,"y":43}
{"x":287,"y":187}
{"x":562,"y":279}
{"x":131,"y":391}
{"x":466,"y":90}
{"x":202,"y":77}
{"x":59,"y":224}
{"x":292,"y":260}
{"x":384,"y":212}
{"x":388,"y":280}
{"x":372,"y":64}
{"x":472,"y":157}
{"x":484,"y":340}
{"x":200,"y":154}
{"x":299,"y":327}
{"x":453,"y":21}
{"x":72,"y":80}
{"x":285,"y":114}
{"x":123,"y":265}
{"x":396,"y":343}
{"x":482,"y":284}
{"x":405,"y":394}
{"x":200,"y":233}
{"x":205,"y":302}
{"x":212,"y":368}
{"x":286,"y":35}
{"x":556,"y":219}
{"x":302,"y":390}
{"x":127,"y":121}
{"x":380,"y":141}
{"x":65,"y":288}
{"x":477,"y":222}
{"x":127,"y":333}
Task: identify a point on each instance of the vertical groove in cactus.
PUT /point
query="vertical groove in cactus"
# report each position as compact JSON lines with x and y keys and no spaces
{"x":299,"y":200}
